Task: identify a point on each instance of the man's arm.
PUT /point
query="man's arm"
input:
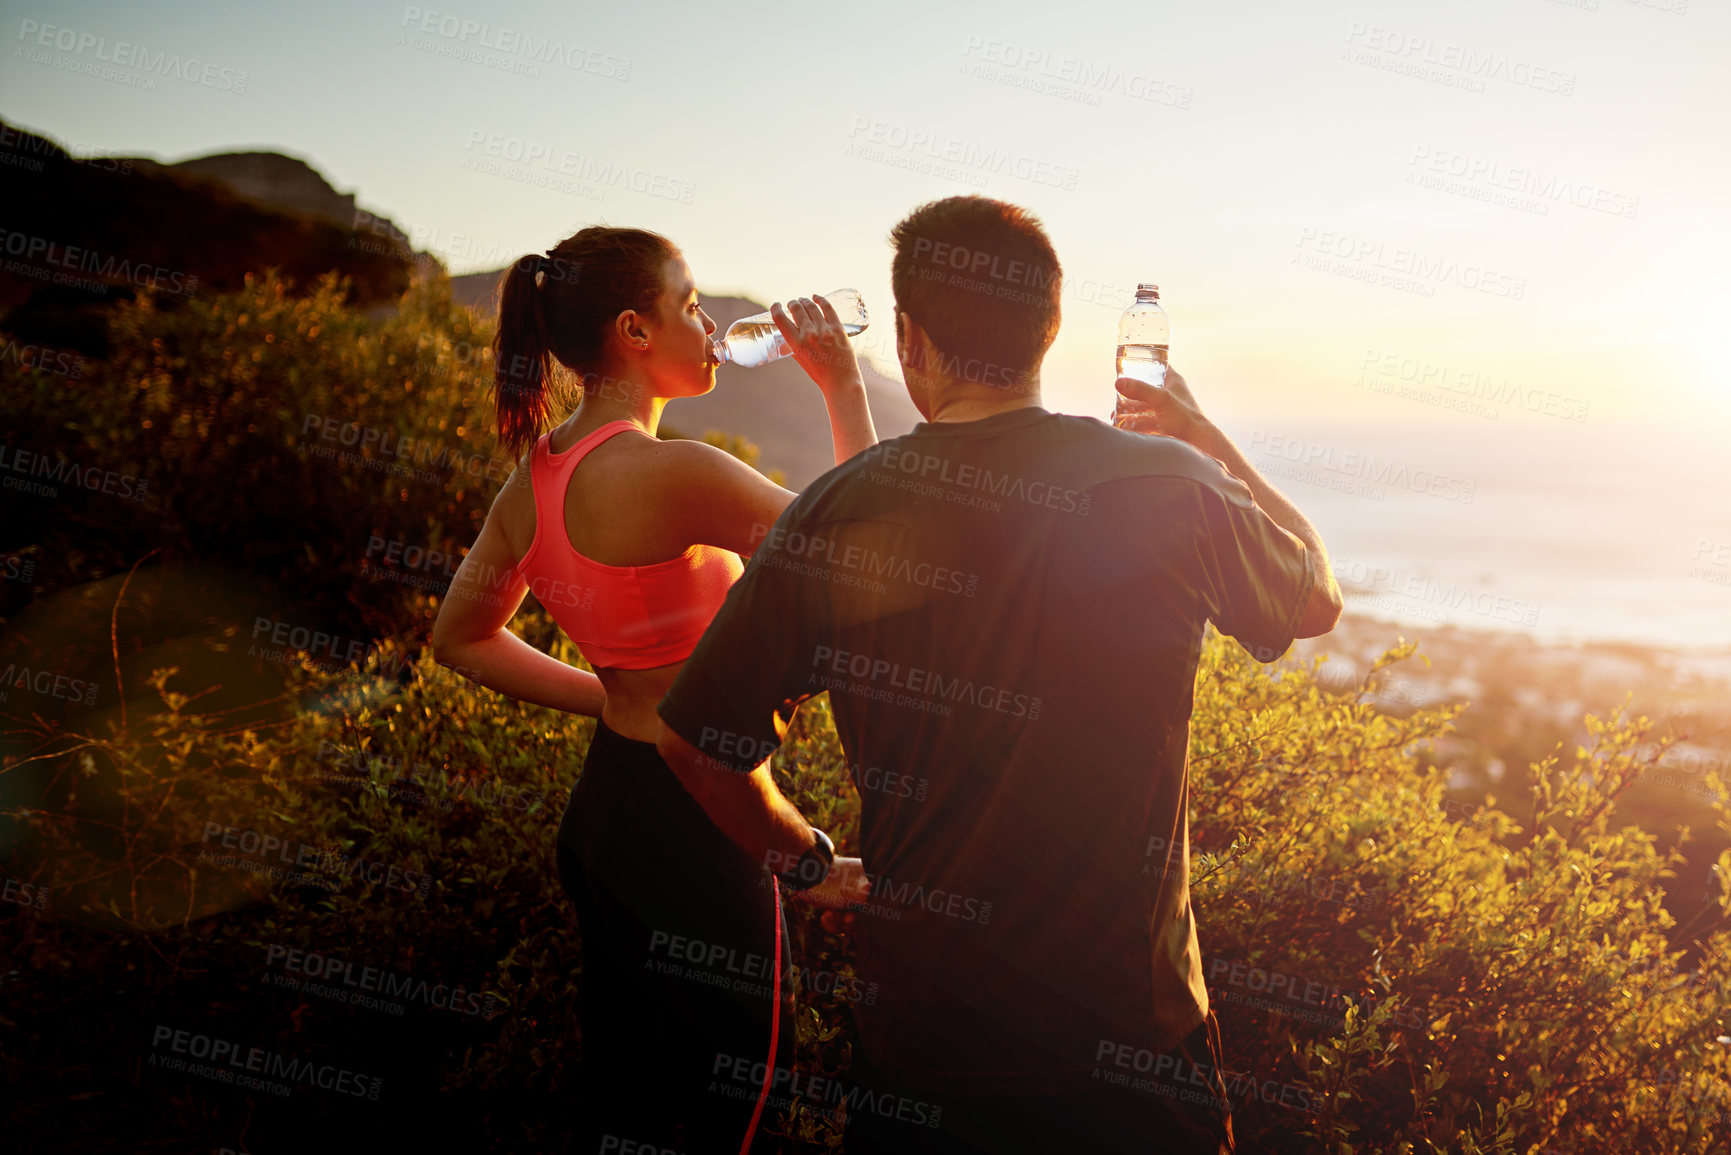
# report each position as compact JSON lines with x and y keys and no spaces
{"x":750,"y":809}
{"x":1173,"y":412}
{"x":746,"y":806}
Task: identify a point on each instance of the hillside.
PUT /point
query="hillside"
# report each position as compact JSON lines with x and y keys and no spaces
{"x":89,"y":232}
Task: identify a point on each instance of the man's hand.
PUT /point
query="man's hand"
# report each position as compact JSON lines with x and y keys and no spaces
{"x":1168,"y":410}
{"x":816,"y":339}
{"x":1172,"y":411}
{"x":846,"y":886}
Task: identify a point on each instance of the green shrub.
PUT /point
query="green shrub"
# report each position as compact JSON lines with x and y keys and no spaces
{"x":1480,"y":987}
{"x":1484,"y":989}
{"x":1445,"y":983}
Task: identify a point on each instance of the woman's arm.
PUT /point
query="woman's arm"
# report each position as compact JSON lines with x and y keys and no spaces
{"x":469,"y":634}
{"x":711,"y":497}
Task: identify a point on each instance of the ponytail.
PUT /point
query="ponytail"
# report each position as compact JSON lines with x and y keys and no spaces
{"x":522,"y":357}
{"x":561,"y":307}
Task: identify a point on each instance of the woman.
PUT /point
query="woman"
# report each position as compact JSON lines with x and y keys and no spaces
{"x":631,"y":544}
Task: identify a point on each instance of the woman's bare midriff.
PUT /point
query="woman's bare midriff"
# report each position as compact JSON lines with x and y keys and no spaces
{"x":632,"y":696}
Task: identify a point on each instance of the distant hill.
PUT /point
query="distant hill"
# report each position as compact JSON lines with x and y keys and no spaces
{"x":85,"y":233}
{"x":102,"y":226}
{"x":270,"y":178}
{"x":775,"y":406}
{"x":291,"y":184}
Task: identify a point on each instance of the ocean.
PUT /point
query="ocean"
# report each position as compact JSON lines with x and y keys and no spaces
{"x":1570,"y":531}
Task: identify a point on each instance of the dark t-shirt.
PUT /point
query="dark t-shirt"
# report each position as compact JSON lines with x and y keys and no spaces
{"x":1007,"y":615}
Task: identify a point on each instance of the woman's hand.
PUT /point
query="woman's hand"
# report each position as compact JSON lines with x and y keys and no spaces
{"x":814,"y":335}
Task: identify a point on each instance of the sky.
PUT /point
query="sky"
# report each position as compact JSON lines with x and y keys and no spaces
{"x":1500,"y":222}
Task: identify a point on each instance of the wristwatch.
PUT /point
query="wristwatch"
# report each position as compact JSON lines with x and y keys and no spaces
{"x":812,"y":867}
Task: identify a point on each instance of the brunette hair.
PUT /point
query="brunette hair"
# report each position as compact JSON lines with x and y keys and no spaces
{"x":559,"y":306}
{"x":981,"y":278}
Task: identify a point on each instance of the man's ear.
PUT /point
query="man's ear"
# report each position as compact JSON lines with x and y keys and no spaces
{"x":913,"y":348}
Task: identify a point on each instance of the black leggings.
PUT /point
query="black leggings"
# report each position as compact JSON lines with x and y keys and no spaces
{"x":680,"y":930}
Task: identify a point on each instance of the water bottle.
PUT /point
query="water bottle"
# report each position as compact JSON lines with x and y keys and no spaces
{"x":753,"y":341}
{"x":1142,"y":336}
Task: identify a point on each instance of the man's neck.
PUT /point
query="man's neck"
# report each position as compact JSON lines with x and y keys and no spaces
{"x":974,"y":407}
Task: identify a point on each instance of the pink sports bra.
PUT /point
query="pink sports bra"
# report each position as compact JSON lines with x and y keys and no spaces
{"x":629,"y":617}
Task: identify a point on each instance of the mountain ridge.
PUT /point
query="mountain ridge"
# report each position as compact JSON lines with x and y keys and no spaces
{"x":204,"y":223}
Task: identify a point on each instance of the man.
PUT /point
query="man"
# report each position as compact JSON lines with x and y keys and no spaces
{"x":1006,"y":607}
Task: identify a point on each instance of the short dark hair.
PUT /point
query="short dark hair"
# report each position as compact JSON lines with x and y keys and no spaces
{"x":981,"y":278}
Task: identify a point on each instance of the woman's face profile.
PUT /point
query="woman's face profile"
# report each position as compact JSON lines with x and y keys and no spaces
{"x":681,"y":362}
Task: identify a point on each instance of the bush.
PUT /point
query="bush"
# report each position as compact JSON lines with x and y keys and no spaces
{"x":1391,"y":976}
{"x":1440,"y":984}
{"x":1430,"y":984}
{"x":282,"y":434}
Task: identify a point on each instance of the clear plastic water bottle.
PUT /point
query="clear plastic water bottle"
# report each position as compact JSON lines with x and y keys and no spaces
{"x":1142,"y":338}
{"x":753,"y":341}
